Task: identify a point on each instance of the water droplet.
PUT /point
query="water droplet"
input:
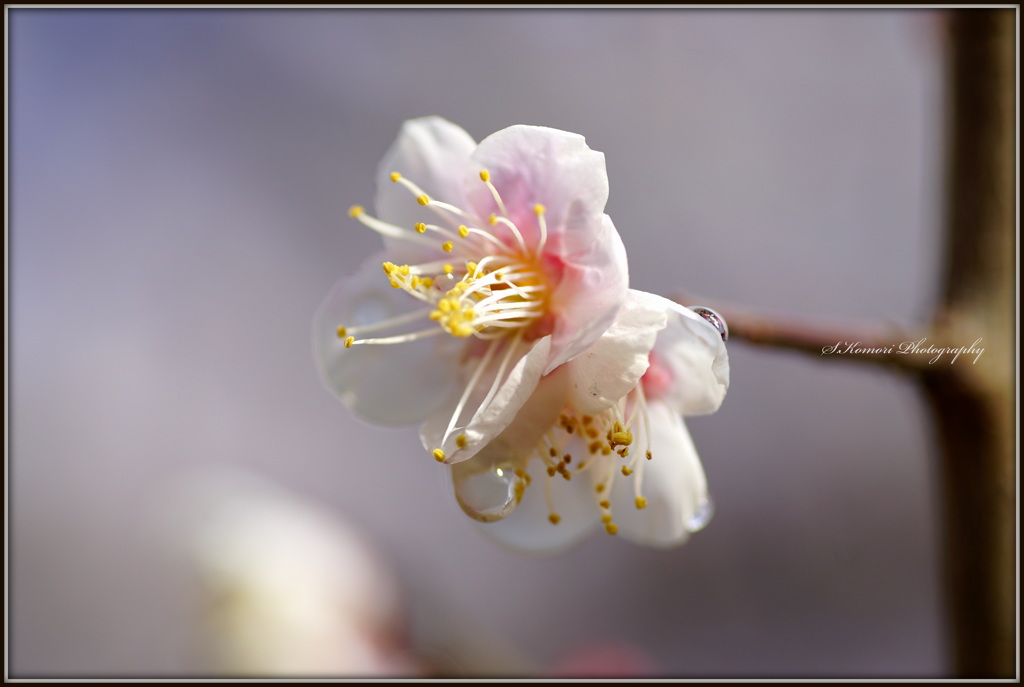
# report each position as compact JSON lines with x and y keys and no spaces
{"x":701,"y":517}
{"x":486,"y":495}
{"x":716,"y":320}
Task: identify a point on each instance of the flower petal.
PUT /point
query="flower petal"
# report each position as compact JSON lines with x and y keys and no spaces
{"x":697,"y":361}
{"x":593,"y":286}
{"x":535,"y":164}
{"x":385,"y":384}
{"x":491,"y":420}
{"x":673,"y":483}
{"x":613,"y":366}
{"x":434,"y":154}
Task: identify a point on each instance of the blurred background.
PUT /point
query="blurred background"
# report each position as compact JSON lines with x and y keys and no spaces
{"x":179,"y":181}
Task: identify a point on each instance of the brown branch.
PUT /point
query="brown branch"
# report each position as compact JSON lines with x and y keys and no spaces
{"x":891,"y":346}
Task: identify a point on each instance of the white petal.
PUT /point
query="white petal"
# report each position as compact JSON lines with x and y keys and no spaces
{"x":434,"y":154}
{"x":385,"y":384}
{"x":695,"y":354}
{"x":490,"y":421}
{"x":534,"y":164}
{"x":673,"y":483}
{"x":593,"y":287}
{"x":613,"y":366}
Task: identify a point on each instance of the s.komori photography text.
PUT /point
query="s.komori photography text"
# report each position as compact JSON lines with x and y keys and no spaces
{"x":919,"y":347}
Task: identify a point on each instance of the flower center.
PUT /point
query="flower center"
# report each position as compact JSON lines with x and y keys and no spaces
{"x":495,"y":287}
{"x":603,"y":445}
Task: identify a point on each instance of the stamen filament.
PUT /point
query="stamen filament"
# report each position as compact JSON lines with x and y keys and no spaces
{"x":387,"y":324}
{"x":484,"y":361}
{"x":401,"y":338}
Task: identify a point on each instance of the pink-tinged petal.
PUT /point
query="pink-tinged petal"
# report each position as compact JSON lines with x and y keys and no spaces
{"x":613,"y":366}
{"x":391,"y":384}
{"x":533,"y":164}
{"x":434,"y":154}
{"x":593,"y":286}
{"x":489,"y":421}
{"x":528,"y":528}
{"x":691,"y":353}
{"x":673,"y":483}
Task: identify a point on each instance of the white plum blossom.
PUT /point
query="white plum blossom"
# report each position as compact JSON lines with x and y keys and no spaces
{"x":612,"y":447}
{"x":499,"y":266}
{"x":503,"y":323}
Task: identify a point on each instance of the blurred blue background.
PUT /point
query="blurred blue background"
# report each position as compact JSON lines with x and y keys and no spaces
{"x":179,"y":181}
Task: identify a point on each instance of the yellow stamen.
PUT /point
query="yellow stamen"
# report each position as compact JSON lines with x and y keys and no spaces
{"x":447,"y":246}
{"x":605,"y":504}
{"x":349,"y":341}
{"x":355,"y":211}
{"x":611,"y":528}
{"x":423,"y":199}
{"x":485,"y":175}
{"x":626,"y":471}
{"x":420,"y":227}
{"x":438,"y":455}
{"x":460,"y":441}
{"x":463,"y":231}
{"x":342,"y":332}
{"x":554,"y":518}
{"x":395,"y":176}
{"x":538,"y":209}
{"x":641,"y":502}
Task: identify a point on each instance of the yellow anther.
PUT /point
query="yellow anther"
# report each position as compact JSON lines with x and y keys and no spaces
{"x":349,"y":341}
{"x":447,"y":246}
{"x":415,"y":281}
{"x":448,"y":269}
{"x":342,"y":332}
{"x":485,"y":175}
{"x":420,"y":227}
{"x":395,"y":176}
{"x":422,"y":199}
{"x":493,"y":219}
{"x":395,"y":284}
{"x":438,"y":455}
{"x":554,"y":518}
{"x":388,"y":266}
{"x":355,"y":211}
{"x":592,"y":432}
{"x":599,"y":488}
{"x":553,"y":452}
{"x":460,"y":441}
{"x":427,"y":282}
{"x":436,"y":315}
{"x":648,"y":455}
{"x":605,"y":504}
{"x":641,"y":502}
{"x":463,"y":231}
{"x":404,"y":269}
{"x":624,"y":438}
{"x":606,"y":450}
{"x":551,"y":471}
{"x":462,"y":330}
{"x":469,"y":313}
{"x":606,"y":518}
{"x":626,"y":471}
{"x":611,"y":528}
{"x":470,"y":267}
{"x":538,"y":209}
{"x":444,"y":305}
